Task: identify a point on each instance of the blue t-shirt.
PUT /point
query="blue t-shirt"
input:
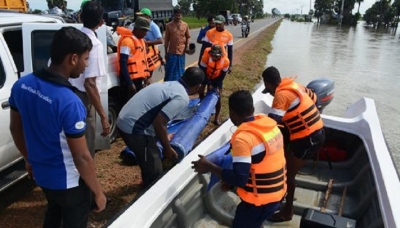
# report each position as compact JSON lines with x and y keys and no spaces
{"x":154,"y":33}
{"x":202,"y":33}
{"x":50,"y":112}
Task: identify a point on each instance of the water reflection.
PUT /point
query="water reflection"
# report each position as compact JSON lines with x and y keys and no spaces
{"x":362,"y":61}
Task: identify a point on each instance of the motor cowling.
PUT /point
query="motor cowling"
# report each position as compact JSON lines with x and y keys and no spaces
{"x":324,"y":88}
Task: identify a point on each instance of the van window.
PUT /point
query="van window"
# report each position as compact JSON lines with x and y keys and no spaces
{"x":41,"y":41}
{"x":2,"y":74}
{"x":14,"y":43}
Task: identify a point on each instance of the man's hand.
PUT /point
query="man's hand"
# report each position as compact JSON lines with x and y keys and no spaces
{"x":201,"y":165}
{"x":132,"y":89}
{"x":170,"y":153}
{"x":147,"y":81}
{"x":28,"y":168}
{"x":106,"y":126}
{"x":101,"y":202}
{"x":225,"y":186}
{"x":229,"y":70}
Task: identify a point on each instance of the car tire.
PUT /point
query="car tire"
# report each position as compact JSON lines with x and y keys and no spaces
{"x":113,"y":111}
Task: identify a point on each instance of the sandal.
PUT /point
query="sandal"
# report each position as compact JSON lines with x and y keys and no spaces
{"x":216,"y":122}
{"x":277,"y":217}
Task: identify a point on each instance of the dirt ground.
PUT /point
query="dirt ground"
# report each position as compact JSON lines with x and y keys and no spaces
{"x":121,"y":183}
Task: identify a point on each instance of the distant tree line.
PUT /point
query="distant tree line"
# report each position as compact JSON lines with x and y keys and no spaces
{"x":203,"y":8}
{"x":382,"y":12}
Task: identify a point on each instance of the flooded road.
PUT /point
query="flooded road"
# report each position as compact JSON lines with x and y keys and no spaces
{"x":362,"y":61}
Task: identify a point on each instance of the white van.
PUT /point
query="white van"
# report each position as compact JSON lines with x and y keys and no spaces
{"x":25,"y":47}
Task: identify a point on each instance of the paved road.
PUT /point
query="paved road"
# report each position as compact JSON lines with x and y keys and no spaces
{"x":191,"y":60}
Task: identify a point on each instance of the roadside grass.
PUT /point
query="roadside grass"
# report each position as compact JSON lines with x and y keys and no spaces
{"x":246,"y":75}
{"x":193,"y":22}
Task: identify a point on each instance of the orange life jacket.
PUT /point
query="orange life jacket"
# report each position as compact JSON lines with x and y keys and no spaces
{"x":267,"y":180}
{"x":214,"y":69}
{"x":154,"y":58}
{"x":303,"y":119}
{"x":137,"y":61}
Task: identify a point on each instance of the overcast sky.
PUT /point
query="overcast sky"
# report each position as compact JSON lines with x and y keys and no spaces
{"x":284,"y":6}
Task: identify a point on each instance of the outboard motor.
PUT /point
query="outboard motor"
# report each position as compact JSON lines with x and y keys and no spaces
{"x":324,"y":89}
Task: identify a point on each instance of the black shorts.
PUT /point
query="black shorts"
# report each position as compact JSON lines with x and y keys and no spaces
{"x":306,"y":148}
{"x":215,"y":83}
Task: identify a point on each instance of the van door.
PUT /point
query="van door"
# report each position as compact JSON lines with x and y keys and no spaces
{"x":37,"y":39}
{"x":8,"y":75}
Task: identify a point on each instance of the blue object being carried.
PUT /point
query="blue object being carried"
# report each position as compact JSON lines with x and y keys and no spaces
{"x":184,"y":139}
{"x":222,"y":158}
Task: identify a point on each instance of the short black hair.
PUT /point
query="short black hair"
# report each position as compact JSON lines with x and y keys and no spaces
{"x":241,"y":103}
{"x":68,"y":40}
{"x":271,"y":75}
{"x":193,"y":76}
{"x":92,"y":14}
{"x":210,"y":18}
{"x":176,"y":11}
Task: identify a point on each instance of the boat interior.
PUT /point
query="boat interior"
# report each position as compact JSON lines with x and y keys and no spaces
{"x":339,"y":181}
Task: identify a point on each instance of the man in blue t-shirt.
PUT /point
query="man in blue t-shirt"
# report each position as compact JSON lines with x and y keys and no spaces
{"x":202,"y":34}
{"x":153,"y":37}
{"x":48,"y":128}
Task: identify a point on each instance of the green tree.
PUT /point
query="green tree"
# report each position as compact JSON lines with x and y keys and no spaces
{"x":321,"y":7}
{"x":53,"y":3}
{"x":184,"y":5}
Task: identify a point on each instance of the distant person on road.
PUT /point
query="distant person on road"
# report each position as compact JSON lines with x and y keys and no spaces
{"x":203,"y":32}
{"x":258,"y":169}
{"x":215,"y":66}
{"x":152,"y":39}
{"x":219,"y":35}
{"x":89,"y":83}
{"x":144,"y":119}
{"x":177,"y":38}
{"x":246,"y":22}
{"x":294,"y":108}
{"x":48,"y":128}
{"x":132,"y":59}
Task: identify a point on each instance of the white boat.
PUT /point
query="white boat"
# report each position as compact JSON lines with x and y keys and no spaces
{"x":366,"y":185}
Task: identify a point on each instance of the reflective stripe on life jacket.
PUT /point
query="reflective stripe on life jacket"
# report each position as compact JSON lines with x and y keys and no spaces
{"x":137,"y":61}
{"x":154,"y":58}
{"x":304,"y":118}
{"x":267,"y":180}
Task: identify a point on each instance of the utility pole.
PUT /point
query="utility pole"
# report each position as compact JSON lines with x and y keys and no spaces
{"x":341,"y":14}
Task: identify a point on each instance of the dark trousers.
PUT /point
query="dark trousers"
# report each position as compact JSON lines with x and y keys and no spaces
{"x":69,"y":207}
{"x":126,"y":93}
{"x":250,"y":216}
{"x":147,"y":153}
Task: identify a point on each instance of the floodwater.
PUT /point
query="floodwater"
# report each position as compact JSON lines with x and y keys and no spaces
{"x":363,"y":62}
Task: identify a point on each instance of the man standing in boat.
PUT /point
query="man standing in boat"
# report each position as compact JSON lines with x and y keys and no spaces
{"x":294,"y":108}
{"x":257,"y":154}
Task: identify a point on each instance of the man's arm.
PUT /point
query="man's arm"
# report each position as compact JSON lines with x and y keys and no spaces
{"x":94,"y":98}
{"x":160,"y":127}
{"x":166,"y":39}
{"x":17,"y":132}
{"x":187,"y":35}
{"x":154,"y":42}
{"x":85,"y":165}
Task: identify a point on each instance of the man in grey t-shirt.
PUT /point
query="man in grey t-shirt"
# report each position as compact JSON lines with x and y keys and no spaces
{"x":145,"y":116}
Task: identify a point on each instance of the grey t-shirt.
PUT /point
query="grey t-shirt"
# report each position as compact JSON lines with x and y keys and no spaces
{"x":137,"y":116}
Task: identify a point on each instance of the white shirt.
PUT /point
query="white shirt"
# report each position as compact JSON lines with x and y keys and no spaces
{"x":96,"y":67}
